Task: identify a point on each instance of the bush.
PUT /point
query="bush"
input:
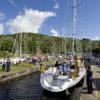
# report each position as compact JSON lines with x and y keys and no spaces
{"x":4,"y":54}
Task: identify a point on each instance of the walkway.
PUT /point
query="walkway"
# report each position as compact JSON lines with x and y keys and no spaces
{"x":96,"y":86}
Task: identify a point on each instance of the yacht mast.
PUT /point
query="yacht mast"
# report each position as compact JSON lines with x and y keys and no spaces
{"x":21,"y":42}
{"x":74,"y":26}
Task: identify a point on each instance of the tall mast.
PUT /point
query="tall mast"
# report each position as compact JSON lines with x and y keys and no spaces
{"x":74,"y":25}
{"x":62,"y":42}
{"x":21,"y":43}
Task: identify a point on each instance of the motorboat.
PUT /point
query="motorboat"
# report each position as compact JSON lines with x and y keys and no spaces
{"x":52,"y":81}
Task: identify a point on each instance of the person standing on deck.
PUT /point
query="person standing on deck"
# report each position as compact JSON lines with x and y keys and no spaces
{"x":67,"y":61}
{"x":89,"y":79}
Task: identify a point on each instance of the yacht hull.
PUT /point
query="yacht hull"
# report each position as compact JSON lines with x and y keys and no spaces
{"x":59,"y":83}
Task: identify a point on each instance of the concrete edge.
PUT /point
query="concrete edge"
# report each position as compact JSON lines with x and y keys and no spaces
{"x":13,"y":75}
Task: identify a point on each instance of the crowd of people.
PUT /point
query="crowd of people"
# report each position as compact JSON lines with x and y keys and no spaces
{"x":69,"y":63}
{"x":38,"y":62}
{"x":76,"y":63}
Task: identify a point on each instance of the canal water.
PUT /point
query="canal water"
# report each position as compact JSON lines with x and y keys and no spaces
{"x":29,"y":88}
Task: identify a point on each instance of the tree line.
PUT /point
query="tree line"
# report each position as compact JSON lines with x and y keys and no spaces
{"x":32,"y":43}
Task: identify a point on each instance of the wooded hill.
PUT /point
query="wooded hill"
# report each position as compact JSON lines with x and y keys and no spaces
{"x":33,"y":43}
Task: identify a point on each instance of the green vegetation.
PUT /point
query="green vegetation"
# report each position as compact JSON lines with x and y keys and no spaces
{"x":19,"y":67}
{"x":38,"y":43}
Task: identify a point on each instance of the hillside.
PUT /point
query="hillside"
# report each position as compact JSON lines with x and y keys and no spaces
{"x":33,"y":43}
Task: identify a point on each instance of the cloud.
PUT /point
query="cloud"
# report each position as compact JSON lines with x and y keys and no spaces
{"x":29,"y":21}
{"x":1,"y":28}
{"x":56,"y":5}
{"x":54,"y":32}
{"x":2,"y":16}
{"x":96,"y":38}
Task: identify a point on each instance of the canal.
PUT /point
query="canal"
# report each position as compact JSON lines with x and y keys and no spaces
{"x":29,"y":88}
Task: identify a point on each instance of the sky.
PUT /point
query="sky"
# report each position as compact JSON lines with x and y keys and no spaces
{"x":51,"y":17}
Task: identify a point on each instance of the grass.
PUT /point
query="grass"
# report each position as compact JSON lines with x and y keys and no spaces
{"x":18,"y":67}
{"x":23,"y":66}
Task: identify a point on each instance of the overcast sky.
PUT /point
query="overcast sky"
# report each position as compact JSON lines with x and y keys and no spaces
{"x":50,"y":17}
